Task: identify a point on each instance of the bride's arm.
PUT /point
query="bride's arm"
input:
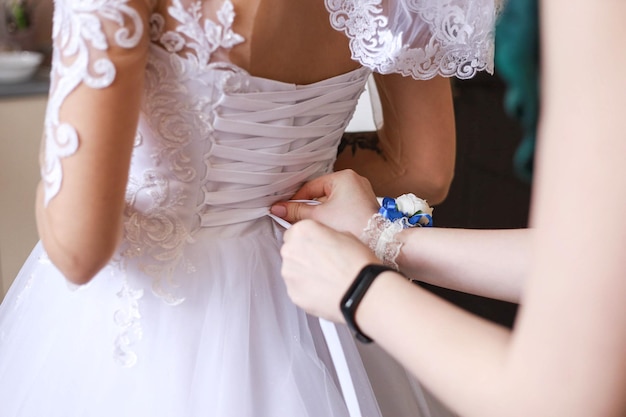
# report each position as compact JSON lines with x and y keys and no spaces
{"x":417,"y":134}
{"x":416,"y":141}
{"x":93,"y":108}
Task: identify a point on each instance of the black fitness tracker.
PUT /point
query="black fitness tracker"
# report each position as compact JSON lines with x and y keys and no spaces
{"x":354,"y":295}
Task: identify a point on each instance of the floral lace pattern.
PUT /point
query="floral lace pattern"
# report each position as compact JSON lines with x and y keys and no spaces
{"x":459,"y":42}
{"x":127,"y":319}
{"x":201,"y":37}
{"x":156,"y":236}
{"x":79,"y":36}
{"x":379,"y":236}
{"x":155,"y":232}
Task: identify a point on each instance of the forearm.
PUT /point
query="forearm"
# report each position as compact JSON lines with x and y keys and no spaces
{"x":77,"y":244}
{"x":459,"y":357}
{"x":490,"y":263}
{"x":82,"y":225}
{"x":478,"y":368}
{"x":392,"y":178}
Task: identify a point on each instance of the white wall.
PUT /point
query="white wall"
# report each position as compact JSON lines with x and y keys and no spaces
{"x":21,"y":121}
{"x":363,"y":121}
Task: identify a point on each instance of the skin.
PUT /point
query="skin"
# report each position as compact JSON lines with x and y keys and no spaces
{"x":566,"y":355}
{"x":81,"y":227}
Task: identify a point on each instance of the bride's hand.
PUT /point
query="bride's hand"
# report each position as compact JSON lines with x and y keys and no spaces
{"x":347,"y":198}
{"x":319,"y":264}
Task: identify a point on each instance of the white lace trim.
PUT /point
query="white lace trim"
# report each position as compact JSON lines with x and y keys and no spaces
{"x":204,"y":37}
{"x":380,"y":236}
{"x":127,"y":318}
{"x":157,"y":236}
{"x":78,"y":34}
{"x":458,"y":39}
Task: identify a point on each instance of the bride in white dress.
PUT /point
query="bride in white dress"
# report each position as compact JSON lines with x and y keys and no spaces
{"x":171,"y":127}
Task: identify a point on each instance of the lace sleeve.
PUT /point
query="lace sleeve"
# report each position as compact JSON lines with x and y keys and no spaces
{"x":420,"y":38}
{"x":83,"y":32}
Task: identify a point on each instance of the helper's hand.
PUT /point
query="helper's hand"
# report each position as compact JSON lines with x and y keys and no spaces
{"x":319,"y":264}
{"x":348,"y":202}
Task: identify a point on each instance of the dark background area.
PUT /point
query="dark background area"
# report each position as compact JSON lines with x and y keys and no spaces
{"x":485,"y":192}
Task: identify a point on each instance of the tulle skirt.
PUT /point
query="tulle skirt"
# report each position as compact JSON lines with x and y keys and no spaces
{"x":215,"y":336}
{"x":218,"y":337}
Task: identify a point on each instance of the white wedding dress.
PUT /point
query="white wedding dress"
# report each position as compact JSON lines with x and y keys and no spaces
{"x":191,"y":317}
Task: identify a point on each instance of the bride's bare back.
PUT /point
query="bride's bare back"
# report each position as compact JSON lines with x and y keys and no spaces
{"x":291,"y":41}
{"x":283,"y":40}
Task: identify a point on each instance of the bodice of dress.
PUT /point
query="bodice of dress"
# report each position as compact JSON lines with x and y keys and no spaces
{"x":217,"y":146}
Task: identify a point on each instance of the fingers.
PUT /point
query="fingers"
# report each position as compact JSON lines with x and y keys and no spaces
{"x":341,"y":190}
{"x":313,"y":189}
{"x":318,"y":266}
{"x":323,"y":186}
{"x":309,"y":269}
{"x":292,"y":212}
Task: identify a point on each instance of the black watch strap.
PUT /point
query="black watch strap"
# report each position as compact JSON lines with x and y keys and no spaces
{"x":351,"y":300}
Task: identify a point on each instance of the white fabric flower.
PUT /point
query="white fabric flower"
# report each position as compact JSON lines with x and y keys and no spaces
{"x":410,"y":204}
{"x":172,"y":41}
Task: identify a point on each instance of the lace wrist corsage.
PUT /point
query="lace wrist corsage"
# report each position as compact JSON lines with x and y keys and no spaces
{"x":395,"y":215}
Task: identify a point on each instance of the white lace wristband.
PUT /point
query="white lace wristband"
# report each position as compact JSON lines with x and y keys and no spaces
{"x":394,"y":216}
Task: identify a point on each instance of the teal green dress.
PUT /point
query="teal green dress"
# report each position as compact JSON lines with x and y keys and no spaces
{"x":517,"y":62}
